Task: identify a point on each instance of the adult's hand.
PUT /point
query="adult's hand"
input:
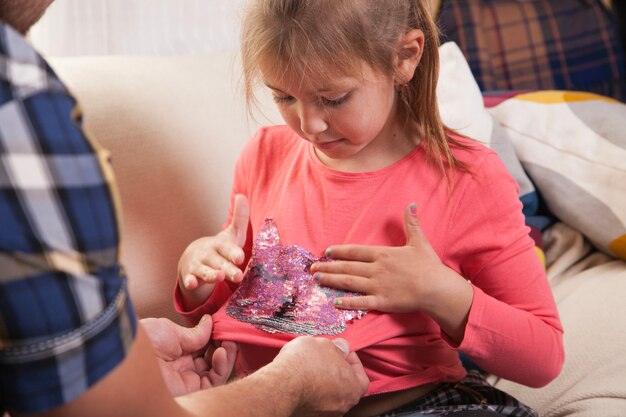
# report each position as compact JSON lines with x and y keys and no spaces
{"x":328,"y":377}
{"x":187,"y":365}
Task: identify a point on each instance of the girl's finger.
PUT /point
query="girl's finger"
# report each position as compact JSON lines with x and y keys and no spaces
{"x":190,"y":282}
{"x":207,"y":274}
{"x":414,"y":234}
{"x":231,"y":272}
{"x":361,"y":253}
{"x":357,"y":268}
{"x":230,"y":252}
{"x":363,"y":302}
{"x":343,"y":282}
{"x":240,"y":219}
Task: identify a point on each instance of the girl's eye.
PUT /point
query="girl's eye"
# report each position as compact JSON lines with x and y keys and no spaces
{"x":282,"y":99}
{"x":335,"y":102}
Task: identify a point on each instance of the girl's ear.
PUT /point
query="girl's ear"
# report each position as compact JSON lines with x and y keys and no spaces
{"x":410,"y":49}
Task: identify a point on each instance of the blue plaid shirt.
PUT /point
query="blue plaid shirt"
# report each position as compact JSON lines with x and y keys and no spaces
{"x":65,"y":317}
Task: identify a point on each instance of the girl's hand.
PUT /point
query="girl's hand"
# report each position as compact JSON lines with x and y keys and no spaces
{"x":211,"y":259}
{"x":399,"y":279}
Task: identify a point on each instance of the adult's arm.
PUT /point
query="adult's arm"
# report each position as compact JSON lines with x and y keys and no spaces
{"x":310,"y":377}
{"x":69,"y":340}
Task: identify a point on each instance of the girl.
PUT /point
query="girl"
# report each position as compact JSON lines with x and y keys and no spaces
{"x":362,"y":157}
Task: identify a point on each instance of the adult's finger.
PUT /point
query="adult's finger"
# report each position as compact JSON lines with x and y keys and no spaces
{"x":342,"y":345}
{"x":354,"y":361}
{"x":222,"y":363}
{"x":192,"y":339}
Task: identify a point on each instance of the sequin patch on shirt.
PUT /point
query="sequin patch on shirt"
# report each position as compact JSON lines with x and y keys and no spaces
{"x":279,"y":294}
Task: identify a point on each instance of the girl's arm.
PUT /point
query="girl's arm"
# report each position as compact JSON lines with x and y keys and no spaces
{"x":510,"y":331}
{"x":506,"y":320}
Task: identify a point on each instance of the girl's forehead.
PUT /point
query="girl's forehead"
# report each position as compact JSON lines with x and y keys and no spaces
{"x":302,"y":82}
{"x":329,"y":79}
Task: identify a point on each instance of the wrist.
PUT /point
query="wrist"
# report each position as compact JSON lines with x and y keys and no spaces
{"x":450,"y":303}
{"x":285,"y":379}
{"x":192,"y":299}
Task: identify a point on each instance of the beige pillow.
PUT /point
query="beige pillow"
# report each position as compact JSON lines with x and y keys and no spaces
{"x":573,"y":147}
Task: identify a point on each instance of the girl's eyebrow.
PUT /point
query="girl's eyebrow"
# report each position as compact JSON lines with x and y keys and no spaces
{"x":320,"y":90}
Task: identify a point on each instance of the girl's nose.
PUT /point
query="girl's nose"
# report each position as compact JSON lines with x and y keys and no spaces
{"x":312,"y":120}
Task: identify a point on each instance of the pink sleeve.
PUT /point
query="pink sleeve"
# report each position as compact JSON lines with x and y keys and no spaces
{"x":219,"y":296}
{"x":513,"y":330}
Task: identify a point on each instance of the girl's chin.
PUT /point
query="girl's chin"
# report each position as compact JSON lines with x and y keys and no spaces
{"x":327,"y":154}
{"x":333,"y":159}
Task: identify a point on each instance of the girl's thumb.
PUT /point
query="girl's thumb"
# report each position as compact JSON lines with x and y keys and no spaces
{"x":412,"y":228}
{"x":240,"y":219}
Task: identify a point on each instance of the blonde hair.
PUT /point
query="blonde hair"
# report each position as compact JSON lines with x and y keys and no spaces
{"x":313,"y":37}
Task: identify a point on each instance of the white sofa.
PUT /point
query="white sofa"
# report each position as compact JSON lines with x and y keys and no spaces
{"x":175,"y":125}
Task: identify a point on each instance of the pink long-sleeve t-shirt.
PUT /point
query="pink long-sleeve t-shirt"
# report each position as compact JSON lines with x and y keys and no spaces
{"x":476,"y":227}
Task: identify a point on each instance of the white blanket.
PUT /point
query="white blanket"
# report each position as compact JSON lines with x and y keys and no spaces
{"x":590,"y":291}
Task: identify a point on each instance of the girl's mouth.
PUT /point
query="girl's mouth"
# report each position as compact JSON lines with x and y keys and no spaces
{"x":324,"y":146}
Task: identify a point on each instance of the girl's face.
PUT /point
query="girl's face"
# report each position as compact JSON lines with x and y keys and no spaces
{"x":351,"y":122}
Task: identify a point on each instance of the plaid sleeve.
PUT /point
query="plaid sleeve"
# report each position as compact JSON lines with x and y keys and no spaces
{"x":65,"y":316}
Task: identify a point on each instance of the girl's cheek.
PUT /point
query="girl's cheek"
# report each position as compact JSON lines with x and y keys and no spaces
{"x":291,"y":119}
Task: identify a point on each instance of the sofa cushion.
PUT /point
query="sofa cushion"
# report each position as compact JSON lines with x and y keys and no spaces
{"x":573,"y":146}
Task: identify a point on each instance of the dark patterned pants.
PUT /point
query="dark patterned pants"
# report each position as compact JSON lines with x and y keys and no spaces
{"x":471,"y":397}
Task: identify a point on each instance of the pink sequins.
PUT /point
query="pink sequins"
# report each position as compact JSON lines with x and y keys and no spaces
{"x":279,"y":294}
